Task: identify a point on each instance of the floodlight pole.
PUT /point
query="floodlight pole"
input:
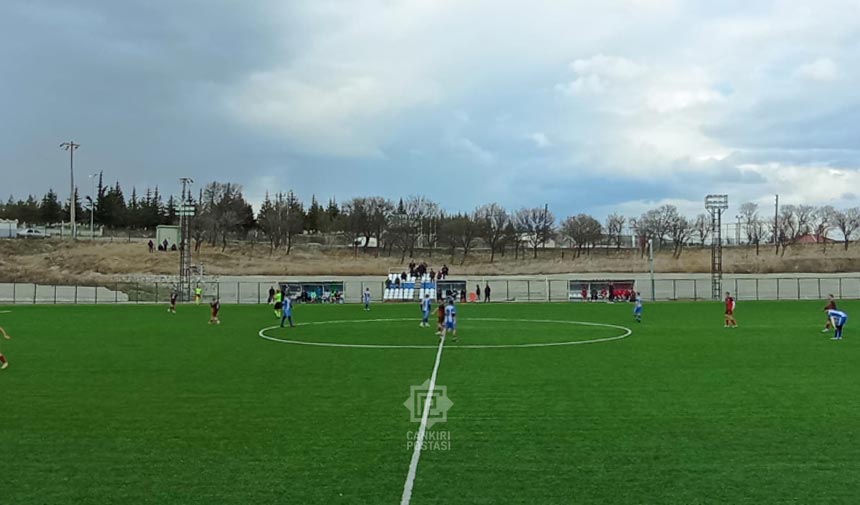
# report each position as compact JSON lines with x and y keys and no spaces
{"x":716,"y":204}
{"x":71,"y":147}
{"x":651,"y":263}
{"x":185,"y":212}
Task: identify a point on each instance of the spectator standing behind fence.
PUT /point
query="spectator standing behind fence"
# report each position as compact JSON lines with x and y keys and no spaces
{"x":271,"y":298}
{"x":151,"y":246}
{"x":477,"y":292}
{"x":487,"y":293}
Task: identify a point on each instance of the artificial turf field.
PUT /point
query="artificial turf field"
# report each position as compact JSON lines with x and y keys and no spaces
{"x":130,"y":404}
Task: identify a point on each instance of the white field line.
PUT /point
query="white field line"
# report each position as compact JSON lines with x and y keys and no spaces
{"x":422,"y":430}
{"x":5,"y":311}
{"x":627,"y":333}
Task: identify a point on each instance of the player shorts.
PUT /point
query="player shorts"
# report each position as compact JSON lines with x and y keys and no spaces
{"x":278,"y":305}
{"x":637,"y":310}
{"x":730,"y":312}
{"x":450,"y":325}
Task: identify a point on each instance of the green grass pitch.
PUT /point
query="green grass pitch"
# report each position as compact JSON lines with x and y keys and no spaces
{"x":130,"y":404}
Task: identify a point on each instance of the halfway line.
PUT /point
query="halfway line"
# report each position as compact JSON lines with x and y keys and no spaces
{"x":419,"y":441}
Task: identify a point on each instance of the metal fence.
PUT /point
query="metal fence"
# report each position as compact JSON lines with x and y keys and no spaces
{"x":502,"y":290}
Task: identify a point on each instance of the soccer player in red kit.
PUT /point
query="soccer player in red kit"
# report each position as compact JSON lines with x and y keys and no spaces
{"x":3,"y":362}
{"x":216,"y":306}
{"x":831,"y":305}
{"x":730,"y":311}
{"x":440,"y":318}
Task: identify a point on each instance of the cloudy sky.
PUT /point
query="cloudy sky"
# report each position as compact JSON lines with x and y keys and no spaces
{"x":587,"y":106}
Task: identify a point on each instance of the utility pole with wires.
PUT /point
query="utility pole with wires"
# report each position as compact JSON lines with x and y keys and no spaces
{"x":71,"y":147}
{"x":776,"y":220}
{"x":545,"y":226}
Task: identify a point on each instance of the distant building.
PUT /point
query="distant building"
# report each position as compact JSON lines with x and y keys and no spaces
{"x":814,"y":238}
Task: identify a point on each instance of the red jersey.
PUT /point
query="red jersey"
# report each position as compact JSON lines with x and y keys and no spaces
{"x":730,"y":305}
{"x":831,"y":305}
{"x":440,"y":313}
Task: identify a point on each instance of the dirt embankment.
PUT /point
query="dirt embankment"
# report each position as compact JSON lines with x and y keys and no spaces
{"x":54,"y":261}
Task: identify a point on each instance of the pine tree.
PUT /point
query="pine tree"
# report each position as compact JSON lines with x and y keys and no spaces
{"x":313,"y":219}
{"x":50,"y":211}
{"x":170,"y":211}
{"x":333,"y":210}
{"x":28,"y":211}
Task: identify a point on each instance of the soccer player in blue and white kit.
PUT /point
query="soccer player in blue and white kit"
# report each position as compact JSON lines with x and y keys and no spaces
{"x":637,"y":309}
{"x":838,"y":319}
{"x":287,"y":311}
{"x":366,"y":297}
{"x":426,"y":305}
{"x":450,"y":320}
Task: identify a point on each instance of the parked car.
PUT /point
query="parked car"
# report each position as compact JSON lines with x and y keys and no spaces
{"x":31,"y":233}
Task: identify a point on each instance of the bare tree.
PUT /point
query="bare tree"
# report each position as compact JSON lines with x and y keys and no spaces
{"x":223,"y":211}
{"x":353,"y":221}
{"x":793,"y":223}
{"x":680,"y":230}
{"x":375,"y":218}
{"x":614,"y":229}
{"x":492,"y":220}
{"x":582,"y":230}
{"x":567,"y":231}
{"x":406,"y":222}
{"x":848,"y":221}
{"x":536,"y":225}
{"x":702,"y":228}
{"x":281,"y":219}
{"x":822,"y":222}
{"x":657,"y":224}
{"x":752,"y":224}
{"x":461,"y":231}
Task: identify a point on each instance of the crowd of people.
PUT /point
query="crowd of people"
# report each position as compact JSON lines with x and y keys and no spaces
{"x":417,"y":271}
{"x":610,"y":293}
{"x":318,"y":295}
{"x":464,"y":296}
{"x":162,"y":246}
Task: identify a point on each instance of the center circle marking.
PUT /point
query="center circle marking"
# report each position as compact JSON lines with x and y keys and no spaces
{"x":626,"y":333}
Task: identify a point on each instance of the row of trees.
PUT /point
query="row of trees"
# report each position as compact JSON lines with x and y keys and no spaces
{"x":387,"y":226}
{"x":111,"y":207}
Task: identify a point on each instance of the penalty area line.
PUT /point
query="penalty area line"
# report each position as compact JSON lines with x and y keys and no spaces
{"x":422,"y":430}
